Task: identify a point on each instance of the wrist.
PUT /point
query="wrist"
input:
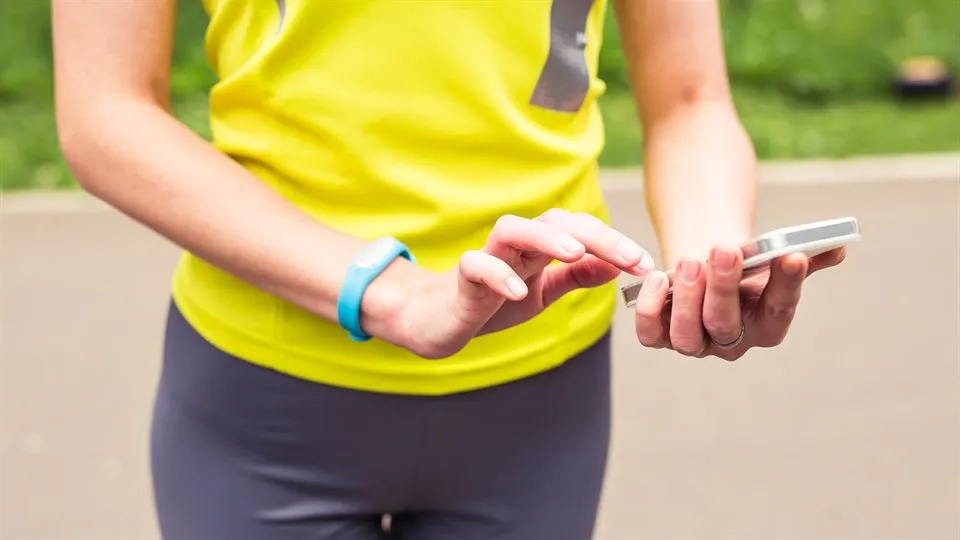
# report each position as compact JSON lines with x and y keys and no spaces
{"x":384,"y":303}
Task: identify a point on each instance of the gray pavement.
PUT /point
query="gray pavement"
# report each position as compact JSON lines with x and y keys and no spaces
{"x":850,"y":429}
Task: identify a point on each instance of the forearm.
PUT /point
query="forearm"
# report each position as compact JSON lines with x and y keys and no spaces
{"x":700,"y":181}
{"x":139,"y":159}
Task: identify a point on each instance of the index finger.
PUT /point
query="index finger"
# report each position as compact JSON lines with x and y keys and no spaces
{"x":514,"y":235}
{"x":602,"y":240}
{"x":649,"y":309}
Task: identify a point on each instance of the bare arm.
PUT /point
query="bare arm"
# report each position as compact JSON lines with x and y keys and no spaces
{"x":112,"y":65}
{"x":699,"y":162}
{"x":701,"y":190}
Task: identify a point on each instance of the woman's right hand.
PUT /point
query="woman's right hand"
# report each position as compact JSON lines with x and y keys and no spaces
{"x":511,"y":279}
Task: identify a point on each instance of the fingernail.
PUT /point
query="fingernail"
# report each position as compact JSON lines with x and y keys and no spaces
{"x":516,"y":286}
{"x":653,"y":284}
{"x":722,"y":259}
{"x":689,"y":271}
{"x":629,"y":251}
{"x":645,"y":265}
{"x":571,"y":246}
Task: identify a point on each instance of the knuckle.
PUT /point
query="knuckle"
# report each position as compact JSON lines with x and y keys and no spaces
{"x":729,"y":355}
{"x":592,"y":225}
{"x":436,"y":351}
{"x":598,"y":232}
{"x":468,"y":260}
{"x":476,"y":259}
{"x":646,"y":332}
{"x":589,"y":218}
{"x":775,"y":339}
{"x":506,"y":221}
{"x":687,"y":343}
{"x":682,"y":321}
{"x":470,"y":255}
{"x":648,"y":312}
{"x":722,"y":332}
{"x":794,"y":283}
{"x":687,"y":346}
{"x":479,"y":266}
{"x":473,"y":266}
{"x":648,"y":340}
{"x":781,"y":311}
{"x":648,"y":329}
{"x":554,"y":214}
{"x":651,"y":308}
{"x":727,"y":288}
{"x":430,"y":352}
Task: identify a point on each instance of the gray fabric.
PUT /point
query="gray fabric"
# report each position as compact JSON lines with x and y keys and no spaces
{"x":281,"y":14}
{"x":244,"y":453}
{"x":565,"y":79}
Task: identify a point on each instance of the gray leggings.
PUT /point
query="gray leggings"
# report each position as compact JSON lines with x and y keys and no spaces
{"x":244,"y":453}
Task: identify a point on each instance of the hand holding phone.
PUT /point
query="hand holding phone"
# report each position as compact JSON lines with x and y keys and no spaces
{"x":811,"y":239}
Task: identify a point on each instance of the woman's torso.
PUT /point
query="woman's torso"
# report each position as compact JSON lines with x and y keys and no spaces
{"x":425,"y":120}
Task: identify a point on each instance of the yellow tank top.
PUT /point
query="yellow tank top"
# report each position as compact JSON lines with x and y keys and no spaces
{"x":421,"y":119}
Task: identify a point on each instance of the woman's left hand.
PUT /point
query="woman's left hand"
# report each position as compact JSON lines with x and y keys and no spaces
{"x":714,"y":313}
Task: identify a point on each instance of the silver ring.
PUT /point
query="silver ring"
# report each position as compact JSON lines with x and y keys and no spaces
{"x":732,"y":344}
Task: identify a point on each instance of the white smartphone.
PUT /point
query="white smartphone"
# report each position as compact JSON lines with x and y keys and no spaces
{"x":811,"y":239}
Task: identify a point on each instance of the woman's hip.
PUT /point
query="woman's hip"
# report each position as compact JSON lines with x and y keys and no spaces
{"x":222,"y":421}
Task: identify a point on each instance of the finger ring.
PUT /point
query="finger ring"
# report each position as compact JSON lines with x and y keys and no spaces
{"x":732,"y":344}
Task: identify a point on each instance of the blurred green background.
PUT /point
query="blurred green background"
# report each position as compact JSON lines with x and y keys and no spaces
{"x":811,"y":79}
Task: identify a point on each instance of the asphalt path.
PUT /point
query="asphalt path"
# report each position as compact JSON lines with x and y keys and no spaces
{"x":850,"y":429}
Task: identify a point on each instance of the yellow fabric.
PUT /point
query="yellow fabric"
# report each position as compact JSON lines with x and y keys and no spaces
{"x":403,"y":118}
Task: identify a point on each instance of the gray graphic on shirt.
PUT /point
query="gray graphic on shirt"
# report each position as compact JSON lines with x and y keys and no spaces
{"x":565,"y":79}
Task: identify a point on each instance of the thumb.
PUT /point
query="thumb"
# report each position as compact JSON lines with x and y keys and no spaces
{"x":586,"y":273}
{"x":485,"y":282}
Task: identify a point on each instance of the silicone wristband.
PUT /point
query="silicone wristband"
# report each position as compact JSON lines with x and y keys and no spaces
{"x":368,"y":264}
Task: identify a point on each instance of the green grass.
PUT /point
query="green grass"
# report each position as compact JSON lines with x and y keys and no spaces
{"x":811,"y":79}
{"x":29,"y":152}
{"x":780,"y":128}
{"x":29,"y":156}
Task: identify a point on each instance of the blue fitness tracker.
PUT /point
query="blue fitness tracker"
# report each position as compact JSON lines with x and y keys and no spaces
{"x":368,"y":264}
